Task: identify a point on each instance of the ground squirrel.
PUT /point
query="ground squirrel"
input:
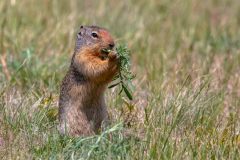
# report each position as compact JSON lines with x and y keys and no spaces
{"x":82,"y":107}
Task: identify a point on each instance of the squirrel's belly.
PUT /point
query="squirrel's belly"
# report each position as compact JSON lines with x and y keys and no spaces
{"x":96,"y":116}
{"x":83,"y":120}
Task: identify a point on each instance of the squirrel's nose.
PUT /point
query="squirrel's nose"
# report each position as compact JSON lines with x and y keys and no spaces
{"x":111,"y":45}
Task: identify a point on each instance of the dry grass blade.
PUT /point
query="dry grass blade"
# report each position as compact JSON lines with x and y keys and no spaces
{"x":4,"y":66}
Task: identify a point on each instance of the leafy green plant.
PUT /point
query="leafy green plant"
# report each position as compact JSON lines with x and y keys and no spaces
{"x":124,"y":76}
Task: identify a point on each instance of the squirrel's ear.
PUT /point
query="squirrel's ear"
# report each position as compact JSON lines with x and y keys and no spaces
{"x":80,"y":32}
{"x":82,"y":28}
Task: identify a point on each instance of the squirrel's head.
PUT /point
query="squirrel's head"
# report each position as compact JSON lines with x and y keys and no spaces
{"x":94,"y":36}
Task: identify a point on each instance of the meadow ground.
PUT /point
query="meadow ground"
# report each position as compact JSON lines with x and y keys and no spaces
{"x":186,"y":57}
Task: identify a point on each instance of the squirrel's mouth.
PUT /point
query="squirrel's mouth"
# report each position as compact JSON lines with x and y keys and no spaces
{"x":105,"y":52}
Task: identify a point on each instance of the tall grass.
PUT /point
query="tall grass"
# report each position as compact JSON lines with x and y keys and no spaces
{"x":186,"y":56}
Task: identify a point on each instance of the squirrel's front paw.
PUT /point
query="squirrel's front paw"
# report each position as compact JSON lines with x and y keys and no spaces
{"x":114,"y":61}
{"x":113,"y":56}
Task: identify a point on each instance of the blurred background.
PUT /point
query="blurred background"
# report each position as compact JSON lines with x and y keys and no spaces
{"x":164,"y":37}
{"x":185,"y":54}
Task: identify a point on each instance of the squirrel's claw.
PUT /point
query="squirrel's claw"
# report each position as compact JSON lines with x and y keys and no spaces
{"x":113,"y":55}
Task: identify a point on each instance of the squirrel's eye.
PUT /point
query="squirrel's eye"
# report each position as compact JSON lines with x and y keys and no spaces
{"x":94,"y":35}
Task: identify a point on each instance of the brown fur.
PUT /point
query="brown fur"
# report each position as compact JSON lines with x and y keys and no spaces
{"x":82,"y":107}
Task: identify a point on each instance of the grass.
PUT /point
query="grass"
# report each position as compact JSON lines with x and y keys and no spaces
{"x":186,"y":57}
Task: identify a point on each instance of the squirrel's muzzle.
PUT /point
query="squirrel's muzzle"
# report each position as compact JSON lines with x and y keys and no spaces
{"x":111,"y":45}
